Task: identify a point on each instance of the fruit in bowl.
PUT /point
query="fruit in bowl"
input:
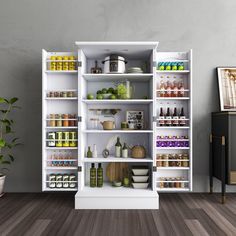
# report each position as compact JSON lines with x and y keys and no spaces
{"x":99,"y":96}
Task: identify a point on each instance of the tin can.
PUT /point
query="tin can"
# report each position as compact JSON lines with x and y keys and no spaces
{"x":73,"y":142}
{"x":52,"y":179}
{"x":59,"y":139}
{"x":59,"y":180}
{"x":53,"y":64}
{"x":72,"y":63}
{"x":51,"y":136}
{"x":65,"y":181}
{"x":59,"y":63}
{"x":65,"y":63}
{"x":72,"y":181}
{"x":66,"y":138}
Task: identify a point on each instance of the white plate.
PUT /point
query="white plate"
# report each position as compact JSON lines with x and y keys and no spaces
{"x":140,"y":171}
{"x":140,"y":185}
{"x":140,"y":179}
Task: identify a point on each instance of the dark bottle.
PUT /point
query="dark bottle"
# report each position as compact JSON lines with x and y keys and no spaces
{"x":161,"y":117}
{"x":168,"y":117}
{"x":175,"y":121}
{"x":89,"y":152}
{"x":118,"y":148}
{"x":99,"y":175}
{"x":93,"y":181}
{"x":182,"y":121}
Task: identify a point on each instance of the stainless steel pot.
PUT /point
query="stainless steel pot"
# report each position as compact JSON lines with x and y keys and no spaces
{"x":114,"y":64}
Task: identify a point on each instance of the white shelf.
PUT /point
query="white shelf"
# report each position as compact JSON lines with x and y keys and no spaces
{"x":61,"y":99}
{"x":173,"y":98}
{"x":61,"y":148}
{"x":173,"y":189}
{"x":117,"y":131}
{"x":61,"y":71}
{"x":173,"y":71}
{"x":116,"y":159}
{"x":50,"y":160}
{"x":120,"y":101}
{"x":61,"y":168}
{"x":172,"y":148}
{"x":172,"y":181}
{"x":172,"y":127}
{"x":60,"y":189}
{"x":114,"y":77}
{"x":173,"y":168}
{"x":61,"y":127}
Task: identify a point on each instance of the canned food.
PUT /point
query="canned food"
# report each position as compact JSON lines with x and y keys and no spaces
{"x":65,"y":181}
{"x":51,"y":141}
{"x":66,"y":137}
{"x":59,"y":63}
{"x":52,"y":179}
{"x":53,"y":64}
{"x":73,"y":142}
{"x":59,"y":139}
{"x":65,"y":63}
{"x":59,"y":181}
{"x":72,"y":181}
{"x":71,"y":63}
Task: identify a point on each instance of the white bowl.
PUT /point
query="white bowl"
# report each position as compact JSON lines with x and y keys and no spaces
{"x":140,"y":171}
{"x":140,"y":179}
{"x":140,"y":185}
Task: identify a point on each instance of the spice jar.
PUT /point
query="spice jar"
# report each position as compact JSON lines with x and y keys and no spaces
{"x":58,"y":120}
{"x":52,"y":122}
{"x":71,"y":121}
{"x":161,"y":184}
{"x":65,"y":121}
{"x":64,"y":94}
{"x":70,"y":94}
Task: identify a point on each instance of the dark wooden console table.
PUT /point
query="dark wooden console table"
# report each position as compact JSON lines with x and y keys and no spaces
{"x":223,"y":149}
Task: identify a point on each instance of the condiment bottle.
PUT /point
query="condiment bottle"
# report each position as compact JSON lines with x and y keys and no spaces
{"x":99,"y":175}
{"x":93,"y":181}
{"x":125,"y":151}
{"x":118,"y":148}
{"x":89,"y":152}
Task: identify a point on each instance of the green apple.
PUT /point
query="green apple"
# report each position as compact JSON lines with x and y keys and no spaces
{"x":99,"y":96}
{"x":90,"y":96}
{"x":99,"y":92}
{"x":104,"y":91}
{"x":110,"y":90}
{"x":112,"y":96}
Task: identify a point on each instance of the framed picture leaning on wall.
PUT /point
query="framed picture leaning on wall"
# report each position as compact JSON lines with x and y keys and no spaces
{"x":227,"y":88}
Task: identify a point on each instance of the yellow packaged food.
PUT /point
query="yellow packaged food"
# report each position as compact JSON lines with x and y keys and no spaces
{"x":65,"y":63}
{"x":72,"y":63}
{"x":53,"y":64}
{"x":59,"y":63}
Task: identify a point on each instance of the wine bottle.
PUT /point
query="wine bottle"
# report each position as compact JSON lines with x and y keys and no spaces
{"x":175,"y":121}
{"x":168,"y":117}
{"x":118,"y":148}
{"x":182,"y":118}
{"x":161,"y":117}
{"x":99,"y":175}
{"x":125,"y":151}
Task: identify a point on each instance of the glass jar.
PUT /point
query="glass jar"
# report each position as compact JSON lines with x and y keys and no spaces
{"x":94,"y":123}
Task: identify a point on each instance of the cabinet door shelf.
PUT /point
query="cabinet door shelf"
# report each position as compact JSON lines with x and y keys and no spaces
{"x":61,"y":127}
{"x":173,"y":98}
{"x":173,"y":168}
{"x":173,"y":71}
{"x":117,"y":131}
{"x":61,"y":189}
{"x":61,"y":99}
{"x":120,"y":101}
{"x":173,"y":189}
{"x":172,"y":127}
{"x":116,"y":159}
{"x":61,"y":148}
{"x":172,"y":148}
{"x":61,"y":71}
{"x":61,"y":168}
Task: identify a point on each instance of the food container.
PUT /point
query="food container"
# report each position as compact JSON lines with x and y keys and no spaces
{"x":108,"y":124}
{"x":114,"y":64}
{"x":140,"y":179}
{"x":138,"y":151}
{"x":140,"y":170}
{"x":140,"y":185}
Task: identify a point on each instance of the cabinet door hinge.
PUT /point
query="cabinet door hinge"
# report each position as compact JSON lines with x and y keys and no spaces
{"x":79,"y":63}
{"x":79,"y":118}
{"x":154,"y":168}
{"x":154,"y":119}
{"x":79,"y":168}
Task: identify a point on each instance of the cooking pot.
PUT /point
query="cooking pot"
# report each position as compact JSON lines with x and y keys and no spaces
{"x":138,"y":151}
{"x":114,"y":64}
{"x":108,"y":124}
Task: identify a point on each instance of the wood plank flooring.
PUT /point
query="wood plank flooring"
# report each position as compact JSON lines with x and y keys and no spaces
{"x":182,"y":214}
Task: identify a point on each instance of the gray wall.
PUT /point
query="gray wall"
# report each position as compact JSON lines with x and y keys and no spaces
{"x":26,"y":26}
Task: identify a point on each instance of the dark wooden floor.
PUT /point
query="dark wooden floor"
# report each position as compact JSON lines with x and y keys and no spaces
{"x":179,"y":214}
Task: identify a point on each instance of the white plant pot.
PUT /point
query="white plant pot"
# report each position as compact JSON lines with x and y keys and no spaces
{"x":2,"y":181}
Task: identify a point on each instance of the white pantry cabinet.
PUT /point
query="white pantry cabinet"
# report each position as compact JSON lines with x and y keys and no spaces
{"x":148,"y":97}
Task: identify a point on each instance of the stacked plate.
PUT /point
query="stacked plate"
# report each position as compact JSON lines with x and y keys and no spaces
{"x":134,"y":70}
{"x":140,"y":177}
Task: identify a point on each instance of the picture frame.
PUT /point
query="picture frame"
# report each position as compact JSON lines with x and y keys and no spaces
{"x":227,"y":88}
{"x":135,"y":119}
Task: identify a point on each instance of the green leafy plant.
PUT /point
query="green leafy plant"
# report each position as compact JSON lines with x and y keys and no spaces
{"x":7,"y":139}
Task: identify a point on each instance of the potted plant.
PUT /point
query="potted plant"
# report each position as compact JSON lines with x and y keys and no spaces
{"x":7,"y":138}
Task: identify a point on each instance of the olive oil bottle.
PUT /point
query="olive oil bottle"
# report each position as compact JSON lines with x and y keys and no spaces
{"x":99,"y":175}
{"x":93,"y":179}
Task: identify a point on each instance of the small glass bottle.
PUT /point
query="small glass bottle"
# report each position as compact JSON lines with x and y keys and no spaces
{"x":125,"y":151}
{"x":89,"y":152}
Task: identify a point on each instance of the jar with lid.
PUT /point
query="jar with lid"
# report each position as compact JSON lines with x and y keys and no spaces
{"x":94,"y":123}
{"x":58,"y":120}
{"x":65,"y":122}
{"x":71,"y":121}
{"x":52,"y":122}
{"x":161,"y":184}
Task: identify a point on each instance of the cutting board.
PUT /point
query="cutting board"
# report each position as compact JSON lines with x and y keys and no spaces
{"x":116,"y":171}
